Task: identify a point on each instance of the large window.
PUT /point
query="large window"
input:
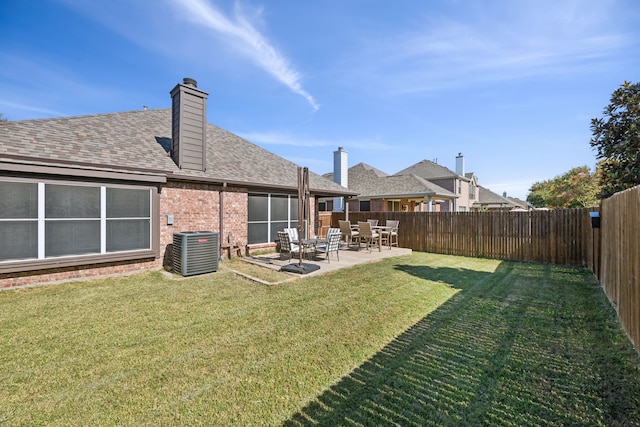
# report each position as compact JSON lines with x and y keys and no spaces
{"x":365,"y":205}
{"x":393,"y":205}
{"x":43,"y":220}
{"x":270,"y":213}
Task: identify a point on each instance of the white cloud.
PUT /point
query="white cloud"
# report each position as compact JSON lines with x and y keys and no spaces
{"x":23,"y":111}
{"x":273,"y":138}
{"x":514,"y":40}
{"x":249,"y":40}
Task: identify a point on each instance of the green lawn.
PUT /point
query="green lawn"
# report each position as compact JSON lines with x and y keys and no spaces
{"x":416,"y":340}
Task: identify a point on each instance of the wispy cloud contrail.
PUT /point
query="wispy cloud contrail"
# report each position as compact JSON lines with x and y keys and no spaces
{"x":252,"y":42}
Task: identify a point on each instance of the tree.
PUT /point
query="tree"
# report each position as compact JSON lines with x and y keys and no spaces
{"x":616,"y":139}
{"x":577,"y":188}
{"x":3,"y":118}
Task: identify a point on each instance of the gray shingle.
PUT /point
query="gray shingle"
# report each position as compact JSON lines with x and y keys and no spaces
{"x":141,"y":140}
{"x":488,"y":198}
{"x":429,"y":170}
{"x":368,"y":181}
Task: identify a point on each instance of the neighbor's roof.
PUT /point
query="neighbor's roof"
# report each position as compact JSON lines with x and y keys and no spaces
{"x":520,"y":203}
{"x":431,"y":170}
{"x":370,"y":182}
{"x":140,"y":141}
{"x":487,"y":198}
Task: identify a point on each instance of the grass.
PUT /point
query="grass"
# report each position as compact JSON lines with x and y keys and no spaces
{"x":417,"y":340}
{"x":258,"y":273}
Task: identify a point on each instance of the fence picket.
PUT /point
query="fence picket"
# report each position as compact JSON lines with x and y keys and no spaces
{"x":562,"y":236}
{"x":554,"y":236}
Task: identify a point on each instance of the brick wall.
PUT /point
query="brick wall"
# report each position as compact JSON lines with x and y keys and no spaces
{"x":50,"y":276}
{"x":235,"y":216}
{"x":195,"y":207}
{"x":378,"y":205}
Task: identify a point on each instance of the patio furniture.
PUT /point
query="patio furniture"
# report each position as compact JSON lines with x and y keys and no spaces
{"x":373,"y":222}
{"x":308,"y":247}
{"x":350,"y":235}
{"x":368,"y":236}
{"x":330,"y":244}
{"x":286,"y":245}
{"x":293,"y":234}
{"x":390,"y":233}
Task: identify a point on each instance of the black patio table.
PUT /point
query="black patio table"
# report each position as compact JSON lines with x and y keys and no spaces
{"x":310,"y":244}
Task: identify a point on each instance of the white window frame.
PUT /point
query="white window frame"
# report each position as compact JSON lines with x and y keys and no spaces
{"x":42,"y":220}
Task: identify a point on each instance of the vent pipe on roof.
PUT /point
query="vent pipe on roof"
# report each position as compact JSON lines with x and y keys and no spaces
{"x":189,"y":125}
{"x":340,"y":175}
{"x":460,"y":165}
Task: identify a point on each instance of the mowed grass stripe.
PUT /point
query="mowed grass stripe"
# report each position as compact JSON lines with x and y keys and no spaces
{"x":417,"y":340}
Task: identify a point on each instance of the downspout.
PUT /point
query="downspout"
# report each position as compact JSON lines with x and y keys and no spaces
{"x":221,"y":215}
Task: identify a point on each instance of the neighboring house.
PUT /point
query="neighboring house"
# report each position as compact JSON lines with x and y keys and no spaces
{"x":103,"y":194}
{"x":463,"y":185}
{"x":520,"y":204}
{"x":378,"y":192}
{"x":490,"y":201}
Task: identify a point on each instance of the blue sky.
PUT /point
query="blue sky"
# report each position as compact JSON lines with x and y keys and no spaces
{"x":512,"y":85}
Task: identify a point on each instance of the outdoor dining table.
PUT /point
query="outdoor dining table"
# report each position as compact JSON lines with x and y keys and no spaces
{"x":310,"y":244}
{"x":379,"y":229}
{"x":374,"y":228}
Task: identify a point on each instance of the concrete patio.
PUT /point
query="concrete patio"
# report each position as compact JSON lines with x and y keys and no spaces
{"x":348,"y":257}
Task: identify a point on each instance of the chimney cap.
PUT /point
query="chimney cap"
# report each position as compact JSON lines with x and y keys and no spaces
{"x":190,"y":82}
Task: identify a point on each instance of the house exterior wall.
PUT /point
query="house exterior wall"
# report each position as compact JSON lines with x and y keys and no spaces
{"x":193,"y":206}
{"x":378,"y":205}
{"x":447,"y":184}
{"x":464,"y":203}
{"x":30,"y":272}
{"x":235,"y":205}
{"x":65,"y":274}
{"x":461,"y":189}
{"x":468,"y":194}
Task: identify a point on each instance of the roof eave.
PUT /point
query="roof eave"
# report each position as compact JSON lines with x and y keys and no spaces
{"x":320,"y":192}
{"x":41,"y":168}
{"x":407,"y":195}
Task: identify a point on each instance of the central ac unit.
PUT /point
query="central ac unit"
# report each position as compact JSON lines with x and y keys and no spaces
{"x":195,"y":252}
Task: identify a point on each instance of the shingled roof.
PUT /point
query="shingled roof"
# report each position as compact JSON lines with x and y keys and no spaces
{"x":370,"y":182}
{"x":489,"y":199}
{"x":431,"y":170}
{"x":140,"y":141}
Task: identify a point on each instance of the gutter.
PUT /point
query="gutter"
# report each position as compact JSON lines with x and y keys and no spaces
{"x":259,"y":185}
{"x":93,"y":173}
{"x":407,"y":195}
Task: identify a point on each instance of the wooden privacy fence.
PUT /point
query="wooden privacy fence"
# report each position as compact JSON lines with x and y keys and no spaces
{"x":562,"y":236}
{"x":620,"y":267}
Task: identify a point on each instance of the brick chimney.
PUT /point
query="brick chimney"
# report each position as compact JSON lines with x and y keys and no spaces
{"x":189,"y":125}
